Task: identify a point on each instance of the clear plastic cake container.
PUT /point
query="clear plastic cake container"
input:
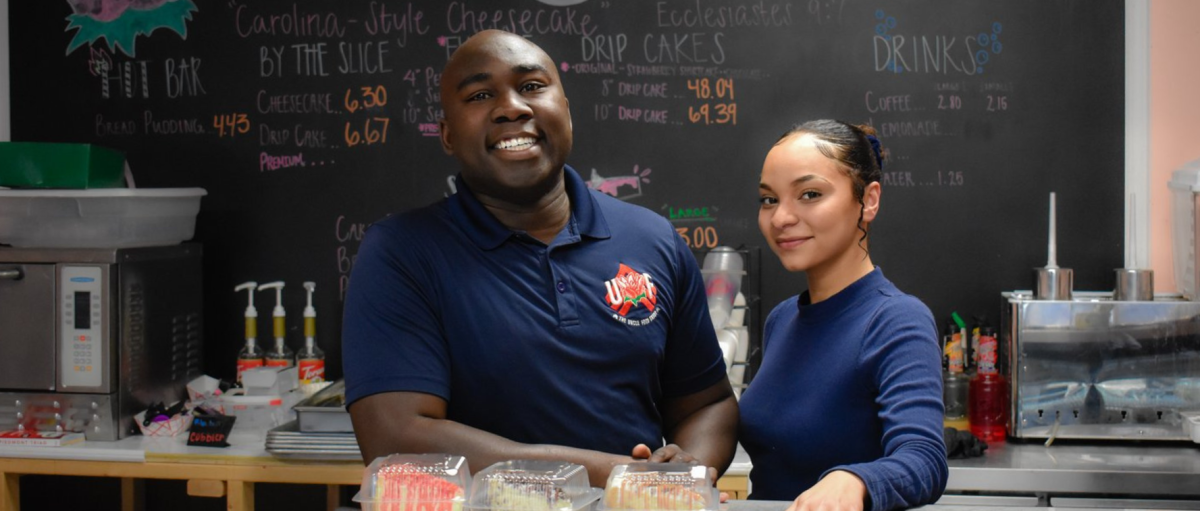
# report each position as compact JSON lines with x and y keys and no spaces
{"x":98,"y":218}
{"x":1185,"y":235}
{"x":532,"y":485}
{"x":425,"y":482}
{"x":659,"y":487}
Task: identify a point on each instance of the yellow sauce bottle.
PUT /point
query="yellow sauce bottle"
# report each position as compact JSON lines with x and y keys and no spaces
{"x":279,"y":356}
{"x":250,"y":356}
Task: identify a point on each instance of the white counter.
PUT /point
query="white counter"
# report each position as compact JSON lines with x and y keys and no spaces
{"x":137,"y":448}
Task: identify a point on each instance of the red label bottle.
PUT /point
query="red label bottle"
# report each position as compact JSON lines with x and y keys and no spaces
{"x":988,"y":393}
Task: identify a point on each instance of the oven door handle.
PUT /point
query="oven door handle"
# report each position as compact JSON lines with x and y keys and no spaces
{"x":14,"y":274}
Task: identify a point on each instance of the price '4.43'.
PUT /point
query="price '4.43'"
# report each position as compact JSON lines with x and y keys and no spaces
{"x":231,"y":124}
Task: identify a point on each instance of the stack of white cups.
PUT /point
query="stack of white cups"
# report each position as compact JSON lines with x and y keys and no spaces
{"x":723,"y":271}
{"x":722,"y":277}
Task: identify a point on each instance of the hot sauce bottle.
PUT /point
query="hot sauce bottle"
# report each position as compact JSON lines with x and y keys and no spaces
{"x":988,"y":396}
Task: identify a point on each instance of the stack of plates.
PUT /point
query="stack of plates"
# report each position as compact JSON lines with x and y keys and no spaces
{"x":287,"y":441}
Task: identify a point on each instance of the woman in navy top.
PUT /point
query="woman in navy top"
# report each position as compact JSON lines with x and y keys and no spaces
{"x":845,"y":412}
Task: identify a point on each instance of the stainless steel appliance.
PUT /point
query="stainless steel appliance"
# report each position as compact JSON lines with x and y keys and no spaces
{"x":90,"y":337}
{"x":1095,"y":368}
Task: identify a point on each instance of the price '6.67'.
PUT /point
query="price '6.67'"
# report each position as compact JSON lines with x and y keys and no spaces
{"x":374,"y":131}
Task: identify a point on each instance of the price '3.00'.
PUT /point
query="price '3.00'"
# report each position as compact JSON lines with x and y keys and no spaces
{"x":700,"y":237}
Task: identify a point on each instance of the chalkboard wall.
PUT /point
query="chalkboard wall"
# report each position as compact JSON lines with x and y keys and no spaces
{"x":307,"y":120}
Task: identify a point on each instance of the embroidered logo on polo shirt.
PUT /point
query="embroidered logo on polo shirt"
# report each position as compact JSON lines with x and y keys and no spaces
{"x":628,"y":291}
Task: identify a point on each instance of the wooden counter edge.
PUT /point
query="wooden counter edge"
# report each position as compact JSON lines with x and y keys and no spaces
{"x":341,"y":474}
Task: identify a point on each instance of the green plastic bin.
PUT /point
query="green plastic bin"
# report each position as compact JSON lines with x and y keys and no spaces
{"x":55,"y":165}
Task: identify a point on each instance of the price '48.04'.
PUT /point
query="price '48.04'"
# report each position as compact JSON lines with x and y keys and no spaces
{"x":721,"y":88}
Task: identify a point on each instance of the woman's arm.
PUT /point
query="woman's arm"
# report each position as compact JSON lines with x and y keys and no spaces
{"x":905,"y":363}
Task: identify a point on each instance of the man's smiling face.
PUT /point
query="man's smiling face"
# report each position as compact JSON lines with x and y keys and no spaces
{"x":507,"y":119}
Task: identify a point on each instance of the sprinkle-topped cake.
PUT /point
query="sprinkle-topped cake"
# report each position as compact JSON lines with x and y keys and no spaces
{"x":398,"y":488}
{"x":415,"y":482}
{"x":638,"y":487}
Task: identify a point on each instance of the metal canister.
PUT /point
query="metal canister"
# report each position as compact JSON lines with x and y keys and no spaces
{"x":1054,"y":283}
{"x":1134,"y":285}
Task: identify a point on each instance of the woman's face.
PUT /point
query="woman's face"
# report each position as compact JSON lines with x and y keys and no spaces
{"x":808,"y":212}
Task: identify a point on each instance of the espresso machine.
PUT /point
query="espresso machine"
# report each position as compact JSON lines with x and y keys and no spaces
{"x":93,"y":336}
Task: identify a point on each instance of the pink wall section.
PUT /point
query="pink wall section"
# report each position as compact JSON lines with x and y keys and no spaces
{"x":1174,"y":118}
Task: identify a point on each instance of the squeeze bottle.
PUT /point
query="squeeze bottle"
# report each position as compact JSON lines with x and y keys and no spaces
{"x":250,"y":355}
{"x":310,"y":359}
{"x":279,"y":355}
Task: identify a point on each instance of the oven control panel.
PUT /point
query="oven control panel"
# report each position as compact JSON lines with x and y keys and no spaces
{"x":81,"y":319}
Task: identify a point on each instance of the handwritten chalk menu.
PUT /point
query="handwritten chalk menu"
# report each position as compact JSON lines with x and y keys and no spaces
{"x":308,"y":120}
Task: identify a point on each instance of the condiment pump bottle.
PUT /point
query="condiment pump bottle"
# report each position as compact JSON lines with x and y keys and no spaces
{"x":279,"y":355}
{"x":310,"y":359}
{"x":250,"y":355}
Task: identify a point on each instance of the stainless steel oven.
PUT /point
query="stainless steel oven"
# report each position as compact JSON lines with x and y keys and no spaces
{"x":90,"y":337}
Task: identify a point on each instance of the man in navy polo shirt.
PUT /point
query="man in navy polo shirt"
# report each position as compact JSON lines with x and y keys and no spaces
{"x":527,"y":317}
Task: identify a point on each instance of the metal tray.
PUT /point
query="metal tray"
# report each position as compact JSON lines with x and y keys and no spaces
{"x":309,"y":440}
{"x":287,"y":442}
{"x":291,"y":429}
{"x":325,"y":411}
{"x":326,"y":419}
{"x":309,"y":445}
{"x":297,"y":445}
{"x":321,"y":455}
{"x":294,"y":434}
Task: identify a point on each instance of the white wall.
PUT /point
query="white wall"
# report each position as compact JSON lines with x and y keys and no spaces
{"x":1174,"y":131}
